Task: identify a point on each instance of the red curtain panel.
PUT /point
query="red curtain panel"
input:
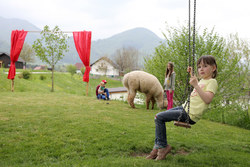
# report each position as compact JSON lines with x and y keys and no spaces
{"x":82,"y":41}
{"x":17,"y":40}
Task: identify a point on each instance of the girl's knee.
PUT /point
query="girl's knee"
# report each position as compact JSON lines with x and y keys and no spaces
{"x":158,"y":117}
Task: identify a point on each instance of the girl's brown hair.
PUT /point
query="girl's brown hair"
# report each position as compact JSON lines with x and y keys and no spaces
{"x":171,"y":69}
{"x":210,"y":60}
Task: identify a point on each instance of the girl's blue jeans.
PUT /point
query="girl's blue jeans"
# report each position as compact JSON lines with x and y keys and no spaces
{"x":172,"y":114}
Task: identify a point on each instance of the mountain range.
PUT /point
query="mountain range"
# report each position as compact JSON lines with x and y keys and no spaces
{"x":140,"y":38}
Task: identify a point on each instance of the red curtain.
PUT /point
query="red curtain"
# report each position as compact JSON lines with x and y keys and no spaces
{"x":82,"y":41}
{"x":17,"y":40}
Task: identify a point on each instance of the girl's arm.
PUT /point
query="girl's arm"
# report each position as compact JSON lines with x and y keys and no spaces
{"x":207,"y":97}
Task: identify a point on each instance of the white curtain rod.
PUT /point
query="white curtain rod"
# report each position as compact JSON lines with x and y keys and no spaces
{"x":61,"y":31}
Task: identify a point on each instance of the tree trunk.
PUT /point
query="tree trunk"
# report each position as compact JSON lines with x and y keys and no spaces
{"x":52,"y":78}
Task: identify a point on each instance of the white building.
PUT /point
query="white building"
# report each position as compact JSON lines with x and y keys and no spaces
{"x":120,"y":93}
{"x":104,"y":66}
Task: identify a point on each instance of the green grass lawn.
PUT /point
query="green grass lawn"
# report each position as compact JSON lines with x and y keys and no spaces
{"x":67,"y":128}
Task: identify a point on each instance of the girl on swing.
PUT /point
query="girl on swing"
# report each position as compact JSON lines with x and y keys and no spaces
{"x":200,"y":98}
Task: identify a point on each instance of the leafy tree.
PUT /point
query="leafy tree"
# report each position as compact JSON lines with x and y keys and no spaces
{"x":71,"y":69}
{"x":83,"y":70}
{"x":27,"y":54}
{"x":127,"y":59}
{"x":51,"y":47}
{"x":176,"y":49}
{"x":240,"y":48}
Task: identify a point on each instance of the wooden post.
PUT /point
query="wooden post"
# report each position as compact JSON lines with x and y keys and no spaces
{"x":12,"y":85}
{"x":87,"y":89}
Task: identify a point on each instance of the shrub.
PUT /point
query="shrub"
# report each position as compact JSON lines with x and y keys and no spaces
{"x":20,"y":76}
{"x":236,"y":116}
{"x":26,"y":74}
{"x":42,"y":77}
{"x":71,"y":69}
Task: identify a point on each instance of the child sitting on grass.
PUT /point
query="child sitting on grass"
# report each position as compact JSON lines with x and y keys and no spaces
{"x":200,"y":98}
{"x":101,"y":93}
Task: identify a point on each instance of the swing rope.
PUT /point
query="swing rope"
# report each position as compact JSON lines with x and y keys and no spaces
{"x":186,"y":123}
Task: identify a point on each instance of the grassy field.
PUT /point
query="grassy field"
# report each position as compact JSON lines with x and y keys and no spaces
{"x":67,"y":128}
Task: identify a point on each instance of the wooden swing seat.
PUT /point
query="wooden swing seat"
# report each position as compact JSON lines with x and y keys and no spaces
{"x":182,"y":124}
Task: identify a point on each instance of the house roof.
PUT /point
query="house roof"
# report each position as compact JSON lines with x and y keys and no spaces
{"x":19,"y":59}
{"x":4,"y":53}
{"x":79,"y":65}
{"x":117,"y":90}
{"x":105,"y":59}
{"x":41,"y":67}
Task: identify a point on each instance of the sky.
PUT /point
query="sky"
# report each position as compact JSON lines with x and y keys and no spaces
{"x":106,"y":18}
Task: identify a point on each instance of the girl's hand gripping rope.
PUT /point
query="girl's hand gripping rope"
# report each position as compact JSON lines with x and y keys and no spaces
{"x":193,"y":80}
